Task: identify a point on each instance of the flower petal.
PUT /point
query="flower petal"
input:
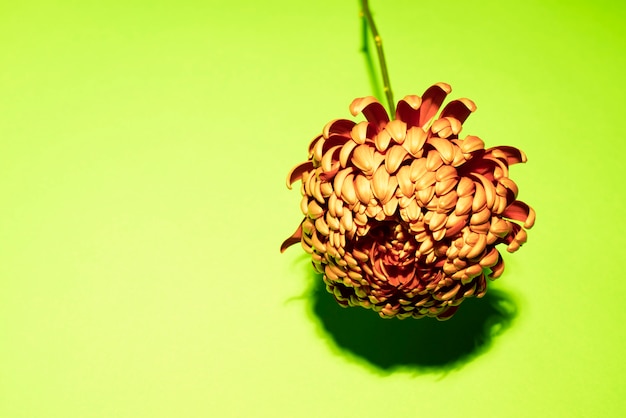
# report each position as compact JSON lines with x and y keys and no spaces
{"x":414,"y":140}
{"x":432,"y":99}
{"x":520,"y":211}
{"x":346,"y":153}
{"x":407,"y":110}
{"x":397,"y":130}
{"x":294,"y":238}
{"x":296,"y":173}
{"x":338,"y":126}
{"x":363,"y":158}
{"x":333,"y":141}
{"x":459,"y":109}
{"x":371,"y":109}
{"x":363,"y":189}
{"x":512,"y":154}
{"x":380,"y":182}
{"x":395,"y":156}
{"x":445,"y":148}
{"x":359,"y":132}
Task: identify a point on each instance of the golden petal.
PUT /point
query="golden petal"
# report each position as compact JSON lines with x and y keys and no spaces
{"x":339,"y":179}
{"x":426,"y":246}
{"x":496,"y":271}
{"x":510,"y":185}
{"x":414,"y":140}
{"x":407,"y":187}
{"x":361,"y":103}
{"x":459,"y":264}
{"x":449,"y":268}
{"x":444,"y":147}
{"x":418,"y":169}
{"x":404,"y":201}
{"x":441,"y":127}
{"x":297,"y":172}
{"x":482,"y":228}
{"x":328,"y":159}
{"x":347,"y":221}
{"x":332,"y":222}
{"x":471,"y":238}
{"x":360,"y":255}
{"x":380,"y":181}
{"x":359,"y":132}
{"x":331,"y":274}
{"x":382,"y":140}
{"x":439,"y":234}
{"x":321,"y":226}
{"x":490,"y":259}
{"x":478,"y":248}
{"x":348,"y":191}
{"x":459,"y":157}
{"x":338,"y":207}
{"x":361,"y":219}
{"x":433,"y":160}
{"x":480,"y":217}
{"x":437,"y":221}
{"x":426,"y":194}
{"x":317,"y":244}
{"x":413,"y":210}
{"x":373,"y":210}
{"x":393,"y":159}
{"x":500,"y":227}
{"x":446,"y":172}
{"x":390,"y":207}
{"x":490,"y":189}
{"x":317,"y":192}
{"x":317,"y":152}
{"x":446,"y":186}
{"x":433,"y":204}
{"x":397,"y":130}
{"x":306,"y":245}
{"x":363,"y":158}
{"x":473,"y":270}
{"x":392,"y":187}
{"x":380,"y":216}
{"x":304,"y":205}
{"x":455,"y":125}
{"x":465,"y":187}
{"x":451,"y":293}
{"x":362,"y":189}
{"x":480,"y":198}
{"x":332,"y":205}
{"x":346,"y":152}
{"x":472,"y":143}
{"x":426,"y":180}
{"x":448,"y":201}
{"x":309,"y":184}
{"x":326,"y":188}
{"x":314,"y":210}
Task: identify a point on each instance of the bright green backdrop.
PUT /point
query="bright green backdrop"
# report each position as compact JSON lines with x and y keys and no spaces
{"x":143,"y":151}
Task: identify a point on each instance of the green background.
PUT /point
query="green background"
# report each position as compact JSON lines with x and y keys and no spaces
{"x":143,"y":152}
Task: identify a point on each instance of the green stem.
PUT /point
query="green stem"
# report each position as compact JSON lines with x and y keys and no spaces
{"x":367,"y":16}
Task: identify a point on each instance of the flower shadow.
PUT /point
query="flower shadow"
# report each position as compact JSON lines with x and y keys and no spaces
{"x":423,"y":345}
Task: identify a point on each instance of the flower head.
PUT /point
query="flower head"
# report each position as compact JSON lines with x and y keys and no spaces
{"x":403,"y":216}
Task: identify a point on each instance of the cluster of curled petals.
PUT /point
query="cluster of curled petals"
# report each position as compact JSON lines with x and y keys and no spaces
{"x":403,"y":216}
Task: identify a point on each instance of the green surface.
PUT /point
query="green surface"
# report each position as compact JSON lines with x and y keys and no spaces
{"x":143,"y":153}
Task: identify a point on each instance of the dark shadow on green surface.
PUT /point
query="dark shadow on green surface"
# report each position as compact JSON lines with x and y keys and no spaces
{"x":419,"y":345}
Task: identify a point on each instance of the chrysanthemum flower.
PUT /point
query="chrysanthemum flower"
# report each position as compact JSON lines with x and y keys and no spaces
{"x":402,"y":216}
